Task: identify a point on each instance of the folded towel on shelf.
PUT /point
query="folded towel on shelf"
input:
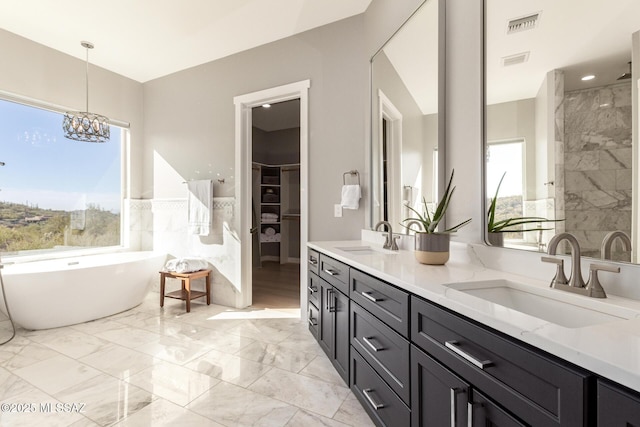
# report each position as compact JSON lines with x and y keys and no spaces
{"x":268,"y":238}
{"x":269,"y":215}
{"x":200,"y":206}
{"x":269,"y":231}
{"x":350,"y":196}
{"x":186,"y":264}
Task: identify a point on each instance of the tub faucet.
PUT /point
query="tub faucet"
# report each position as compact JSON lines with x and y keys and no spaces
{"x":389,"y":241}
{"x":607,"y":242}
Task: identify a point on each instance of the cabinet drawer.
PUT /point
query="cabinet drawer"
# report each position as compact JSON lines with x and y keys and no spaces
{"x":335,"y":273}
{"x":383,"y":406}
{"x":313,"y":319}
{"x":385,"y":350}
{"x":536,"y":388}
{"x":313,"y":258}
{"x":388,"y":303}
{"x":313,"y":289}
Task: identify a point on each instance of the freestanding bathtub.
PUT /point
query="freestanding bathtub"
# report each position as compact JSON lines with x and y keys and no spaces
{"x":60,"y":292}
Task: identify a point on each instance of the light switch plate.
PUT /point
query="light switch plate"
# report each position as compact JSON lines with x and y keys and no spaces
{"x":337,"y":211}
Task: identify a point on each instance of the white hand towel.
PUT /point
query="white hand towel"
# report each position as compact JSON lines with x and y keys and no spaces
{"x":350,"y":196}
{"x":269,"y":231}
{"x":200,"y":206}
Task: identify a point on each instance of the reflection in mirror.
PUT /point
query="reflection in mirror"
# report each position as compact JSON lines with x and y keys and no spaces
{"x":405,"y":138}
{"x":564,"y":139}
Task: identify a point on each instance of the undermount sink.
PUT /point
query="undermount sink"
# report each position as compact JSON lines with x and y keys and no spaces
{"x":550,"y":305}
{"x":365,"y":250}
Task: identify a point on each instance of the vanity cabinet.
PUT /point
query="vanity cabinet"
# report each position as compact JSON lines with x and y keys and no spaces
{"x":330,"y":305}
{"x":533,"y":388}
{"x":617,"y":406}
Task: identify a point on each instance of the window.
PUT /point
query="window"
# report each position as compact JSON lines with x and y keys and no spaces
{"x":56,"y":194}
{"x":505,"y":157}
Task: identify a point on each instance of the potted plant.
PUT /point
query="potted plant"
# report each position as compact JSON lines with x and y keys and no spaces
{"x":496,"y":229}
{"x":431,"y":246}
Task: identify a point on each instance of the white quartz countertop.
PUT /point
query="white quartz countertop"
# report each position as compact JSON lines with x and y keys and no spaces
{"x":611,"y":350}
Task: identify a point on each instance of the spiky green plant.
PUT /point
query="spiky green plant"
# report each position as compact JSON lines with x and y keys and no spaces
{"x":501,"y":226}
{"x":429,"y":221}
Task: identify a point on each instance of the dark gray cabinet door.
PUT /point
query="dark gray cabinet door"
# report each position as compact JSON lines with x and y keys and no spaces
{"x":438,"y":397}
{"x":617,"y":407}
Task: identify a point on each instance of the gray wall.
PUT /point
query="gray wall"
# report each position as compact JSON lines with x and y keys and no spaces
{"x":189,"y":118}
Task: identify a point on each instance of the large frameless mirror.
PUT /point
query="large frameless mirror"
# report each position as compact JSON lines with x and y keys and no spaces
{"x":561,"y":108}
{"x":407,"y":144}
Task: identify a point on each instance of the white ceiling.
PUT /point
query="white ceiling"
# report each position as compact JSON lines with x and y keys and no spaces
{"x":577,"y":36}
{"x":147,"y":39}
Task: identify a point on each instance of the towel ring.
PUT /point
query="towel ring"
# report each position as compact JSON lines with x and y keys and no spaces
{"x":351,"y":172}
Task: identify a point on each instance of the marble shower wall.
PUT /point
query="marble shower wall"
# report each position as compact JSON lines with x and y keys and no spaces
{"x":161,"y":225}
{"x":598,"y":161}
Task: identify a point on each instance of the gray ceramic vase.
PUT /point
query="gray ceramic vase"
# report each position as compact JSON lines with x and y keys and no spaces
{"x":432,"y":248}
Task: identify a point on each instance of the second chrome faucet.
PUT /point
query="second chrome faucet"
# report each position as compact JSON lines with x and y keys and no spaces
{"x":576,"y":283}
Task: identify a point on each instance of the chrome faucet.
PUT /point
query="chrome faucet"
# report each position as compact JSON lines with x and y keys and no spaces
{"x":607,"y":242}
{"x":575,"y":279}
{"x":576,"y":284}
{"x":389,"y":241}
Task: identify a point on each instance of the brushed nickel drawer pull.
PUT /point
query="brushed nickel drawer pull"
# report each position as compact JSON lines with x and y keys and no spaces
{"x":331,"y":272}
{"x":370,"y":344}
{"x":453,"y":417}
{"x":312,"y":289}
{"x":370,"y":297}
{"x":311,"y":319}
{"x":375,"y":405}
{"x":313,"y":261}
{"x":469,"y":414}
{"x":453,"y":346}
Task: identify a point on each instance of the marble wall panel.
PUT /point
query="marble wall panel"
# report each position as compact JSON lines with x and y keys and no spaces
{"x":598,"y":160}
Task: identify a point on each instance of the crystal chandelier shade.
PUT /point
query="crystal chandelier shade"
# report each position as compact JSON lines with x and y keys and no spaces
{"x":83,"y":125}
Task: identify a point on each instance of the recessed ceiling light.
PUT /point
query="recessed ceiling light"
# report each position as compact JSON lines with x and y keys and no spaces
{"x":588,"y":77}
{"x":266,"y":105}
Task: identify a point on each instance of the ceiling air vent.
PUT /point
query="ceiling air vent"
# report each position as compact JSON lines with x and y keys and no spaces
{"x":524,"y":23}
{"x":518,"y":58}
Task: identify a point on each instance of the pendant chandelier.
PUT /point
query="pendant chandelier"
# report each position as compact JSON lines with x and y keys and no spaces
{"x":83,"y":125}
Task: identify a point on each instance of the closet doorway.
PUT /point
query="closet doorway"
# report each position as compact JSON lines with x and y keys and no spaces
{"x":275,"y":244}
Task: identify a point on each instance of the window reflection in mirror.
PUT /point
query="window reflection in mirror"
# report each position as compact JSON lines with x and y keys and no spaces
{"x":405,"y":118}
{"x":579,"y":162}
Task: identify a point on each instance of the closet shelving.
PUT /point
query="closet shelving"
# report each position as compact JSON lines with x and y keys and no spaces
{"x":276,"y":195}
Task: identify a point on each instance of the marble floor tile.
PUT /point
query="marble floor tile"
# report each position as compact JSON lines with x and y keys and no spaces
{"x":222,"y":341}
{"x":351,"y":412}
{"x":39,"y":412}
{"x":21,"y":352}
{"x":302,"y":341}
{"x":74,"y":343}
{"x":321,"y":368}
{"x":274,"y":355}
{"x":128,"y":336}
{"x":304,"y":392}
{"x":309,"y":419}
{"x":231,"y":405}
{"x":120,"y":362}
{"x":56,"y":374}
{"x":98,"y":325}
{"x":261,"y":330}
{"x":172,"y":328}
{"x":173,"y":350}
{"x":132,"y":318}
{"x":162,"y":413}
{"x":106,"y":399}
{"x":11,"y":385}
{"x":172,"y":382}
{"x":229,"y":368}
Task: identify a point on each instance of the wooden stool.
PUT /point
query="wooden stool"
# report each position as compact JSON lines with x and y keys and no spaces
{"x":186,"y":293}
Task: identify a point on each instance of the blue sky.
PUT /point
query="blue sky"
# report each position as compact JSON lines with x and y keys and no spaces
{"x":44,"y":168}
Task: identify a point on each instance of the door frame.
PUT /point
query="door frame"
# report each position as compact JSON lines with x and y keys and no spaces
{"x":243,"y":191}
